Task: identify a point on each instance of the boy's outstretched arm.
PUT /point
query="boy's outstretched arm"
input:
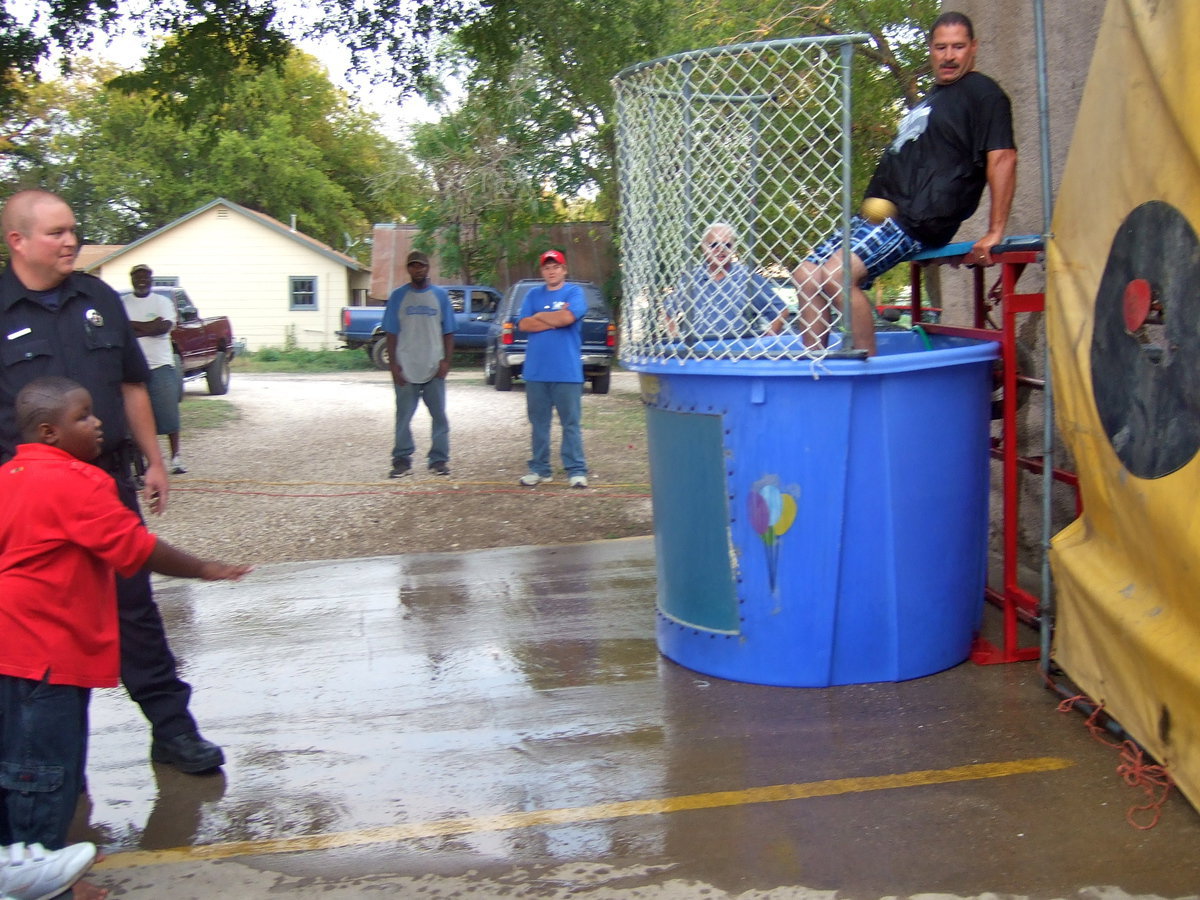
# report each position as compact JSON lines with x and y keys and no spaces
{"x":168,"y":560}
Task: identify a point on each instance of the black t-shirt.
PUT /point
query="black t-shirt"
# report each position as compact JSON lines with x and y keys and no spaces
{"x":86,"y":337}
{"x":936,"y":168}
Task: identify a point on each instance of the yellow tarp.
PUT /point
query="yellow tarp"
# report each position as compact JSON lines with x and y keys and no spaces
{"x":1127,"y":573}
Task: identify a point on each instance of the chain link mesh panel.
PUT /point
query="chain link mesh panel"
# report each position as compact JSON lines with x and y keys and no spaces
{"x":732,"y":168}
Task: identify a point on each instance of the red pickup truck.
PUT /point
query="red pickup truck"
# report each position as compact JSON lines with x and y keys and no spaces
{"x":202,"y":346}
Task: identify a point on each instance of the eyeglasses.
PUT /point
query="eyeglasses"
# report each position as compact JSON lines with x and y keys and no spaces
{"x":714,"y":245}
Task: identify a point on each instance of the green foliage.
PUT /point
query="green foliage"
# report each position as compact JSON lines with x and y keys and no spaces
{"x":295,"y":359}
{"x":489,"y":174}
{"x":225,"y":107}
{"x":217,"y":40}
{"x":533,"y":143}
{"x":887,"y":69}
{"x":196,"y":72}
{"x":557,"y":58}
{"x":544,"y":69}
{"x":20,"y":51}
{"x":283,"y":143}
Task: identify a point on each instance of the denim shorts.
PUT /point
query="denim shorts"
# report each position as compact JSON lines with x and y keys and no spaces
{"x":43,"y":746}
{"x":880,"y":247}
{"x":164,"y":387}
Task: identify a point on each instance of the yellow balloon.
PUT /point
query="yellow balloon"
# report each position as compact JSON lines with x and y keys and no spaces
{"x":875,"y":210}
{"x":787,"y":515}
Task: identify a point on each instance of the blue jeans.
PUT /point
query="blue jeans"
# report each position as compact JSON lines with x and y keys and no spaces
{"x":542,"y":398}
{"x":407,"y":397}
{"x":43,"y":742}
{"x":148,"y":669}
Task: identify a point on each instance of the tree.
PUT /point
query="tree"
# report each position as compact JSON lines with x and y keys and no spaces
{"x":489,"y":184}
{"x":557,"y":58}
{"x":219,"y":37}
{"x":888,"y":70}
{"x":284,"y":143}
{"x":571,"y":49}
{"x":561,"y":57}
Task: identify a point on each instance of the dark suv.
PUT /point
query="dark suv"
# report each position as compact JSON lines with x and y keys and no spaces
{"x":504,"y":356}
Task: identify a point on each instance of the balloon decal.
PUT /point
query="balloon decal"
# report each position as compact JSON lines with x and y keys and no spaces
{"x":772,"y":512}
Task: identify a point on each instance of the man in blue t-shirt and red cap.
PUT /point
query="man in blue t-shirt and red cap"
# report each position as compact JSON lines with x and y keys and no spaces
{"x":551,"y":316}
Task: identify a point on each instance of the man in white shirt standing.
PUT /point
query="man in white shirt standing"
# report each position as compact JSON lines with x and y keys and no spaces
{"x":152,"y":317}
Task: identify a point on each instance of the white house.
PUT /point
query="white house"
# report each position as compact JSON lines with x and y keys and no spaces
{"x":276,"y":285}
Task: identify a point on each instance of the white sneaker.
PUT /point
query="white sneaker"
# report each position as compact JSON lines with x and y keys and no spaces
{"x":531,"y":478}
{"x":34,"y":873}
{"x":177,"y":465}
{"x":578,"y":481}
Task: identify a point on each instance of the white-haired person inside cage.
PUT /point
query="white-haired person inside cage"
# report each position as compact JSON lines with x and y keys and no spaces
{"x":720,"y":297}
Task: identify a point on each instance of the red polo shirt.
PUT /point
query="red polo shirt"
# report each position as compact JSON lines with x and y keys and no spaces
{"x":63,"y":532}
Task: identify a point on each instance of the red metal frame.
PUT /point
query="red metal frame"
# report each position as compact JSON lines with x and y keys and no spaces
{"x":1016,"y":603}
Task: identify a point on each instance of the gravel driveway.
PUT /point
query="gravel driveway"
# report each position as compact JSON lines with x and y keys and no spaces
{"x":302,"y":473}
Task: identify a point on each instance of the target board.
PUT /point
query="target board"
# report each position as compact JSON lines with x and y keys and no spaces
{"x":1123,"y":328}
{"x":1146,"y":343}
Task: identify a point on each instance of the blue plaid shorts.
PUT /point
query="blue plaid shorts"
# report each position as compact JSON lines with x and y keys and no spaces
{"x":880,"y":247}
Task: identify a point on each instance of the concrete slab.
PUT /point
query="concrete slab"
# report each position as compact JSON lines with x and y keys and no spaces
{"x":499,"y":723}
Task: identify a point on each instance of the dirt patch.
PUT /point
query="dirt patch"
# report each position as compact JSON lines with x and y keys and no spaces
{"x":301,"y":474}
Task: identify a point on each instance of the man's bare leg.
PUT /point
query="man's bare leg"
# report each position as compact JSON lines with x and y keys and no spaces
{"x":862,"y":321}
{"x":819,"y":286}
{"x":814,"y":305}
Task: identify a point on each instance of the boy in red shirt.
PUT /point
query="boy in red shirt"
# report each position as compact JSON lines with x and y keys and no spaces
{"x":63,"y":533}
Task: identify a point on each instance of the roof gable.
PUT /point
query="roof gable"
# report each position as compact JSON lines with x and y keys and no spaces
{"x":262,"y":219}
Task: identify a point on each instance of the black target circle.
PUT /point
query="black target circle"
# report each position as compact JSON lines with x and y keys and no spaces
{"x":1146,"y":382}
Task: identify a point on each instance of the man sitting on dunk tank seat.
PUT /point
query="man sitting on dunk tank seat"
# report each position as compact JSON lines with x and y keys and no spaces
{"x":956,"y":140}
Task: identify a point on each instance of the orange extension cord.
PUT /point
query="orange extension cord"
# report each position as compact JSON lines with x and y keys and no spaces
{"x":1151,"y":778}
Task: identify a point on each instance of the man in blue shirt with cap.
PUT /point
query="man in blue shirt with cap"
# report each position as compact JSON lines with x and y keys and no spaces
{"x":551,"y":315}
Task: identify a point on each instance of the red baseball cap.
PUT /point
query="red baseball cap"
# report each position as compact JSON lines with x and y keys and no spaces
{"x":552,"y":256}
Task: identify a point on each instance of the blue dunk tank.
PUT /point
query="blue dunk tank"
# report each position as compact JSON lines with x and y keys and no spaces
{"x":818,"y":531}
{"x":821,"y":516}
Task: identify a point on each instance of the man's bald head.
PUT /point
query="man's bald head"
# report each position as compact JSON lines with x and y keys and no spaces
{"x":19,"y":211}
{"x":39,"y":229}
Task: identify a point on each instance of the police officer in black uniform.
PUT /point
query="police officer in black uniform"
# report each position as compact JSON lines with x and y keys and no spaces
{"x":56,"y":321}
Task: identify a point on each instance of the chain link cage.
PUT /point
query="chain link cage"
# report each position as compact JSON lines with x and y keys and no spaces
{"x":734,"y":164}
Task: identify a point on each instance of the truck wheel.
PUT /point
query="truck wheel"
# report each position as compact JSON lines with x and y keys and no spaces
{"x":489,"y":368}
{"x":503,"y":378}
{"x":600,"y":383}
{"x":178,"y":360}
{"x":217,"y":375}
{"x":379,"y":354}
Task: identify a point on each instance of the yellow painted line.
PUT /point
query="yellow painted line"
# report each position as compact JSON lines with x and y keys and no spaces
{"x":536,"y":818}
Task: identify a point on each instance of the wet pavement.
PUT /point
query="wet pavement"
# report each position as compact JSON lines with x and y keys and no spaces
{"x":499,"y":723}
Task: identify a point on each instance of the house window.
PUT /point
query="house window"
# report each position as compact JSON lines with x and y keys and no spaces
{"x":303,"y":293}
